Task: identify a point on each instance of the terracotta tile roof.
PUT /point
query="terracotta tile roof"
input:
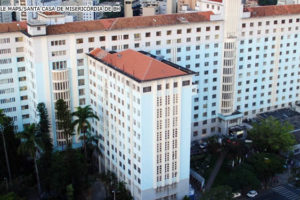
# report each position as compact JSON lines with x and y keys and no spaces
{"x":13,"y":27}
{"x":138,"y":65}
{"x":219,"y":1}
{"x":128,"y":23}
{"x":263,"y":11}
{"x":51,"y":13}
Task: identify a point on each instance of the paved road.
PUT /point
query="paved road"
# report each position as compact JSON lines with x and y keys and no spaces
{"x":282,"y":192}
{"x":98,"y":191}
{"x":215,"y":171}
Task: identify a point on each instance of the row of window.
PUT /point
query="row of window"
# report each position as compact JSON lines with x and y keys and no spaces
{"x":267,"y":23}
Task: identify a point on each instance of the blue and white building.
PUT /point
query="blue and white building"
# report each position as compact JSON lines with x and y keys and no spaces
{"x":141,"y":103}
{"x":246,"y":61}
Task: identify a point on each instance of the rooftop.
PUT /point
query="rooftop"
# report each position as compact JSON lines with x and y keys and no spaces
{"x":283,"y":115}
{"x":147,"y":21}
{"x":13,"y":27}
{"x":51,"y":13}
{"x":139,"y":65}
{"x":264,"y":11}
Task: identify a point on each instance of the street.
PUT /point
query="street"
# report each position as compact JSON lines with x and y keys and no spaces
{"x":282,"y":192}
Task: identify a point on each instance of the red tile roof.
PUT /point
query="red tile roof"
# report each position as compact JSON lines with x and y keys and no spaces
{"x":263,"y":11}
{"x":13,"y":27}
{"x":138,"y":65}
{"x":51,"y":13}
{"x":128,"y":23}
{"x":219,"y":1}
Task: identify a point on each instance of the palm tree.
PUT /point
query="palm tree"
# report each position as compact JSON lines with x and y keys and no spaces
{"x":82,"y":122}
{"x":31,"y":143}
{"x":2,"y":119}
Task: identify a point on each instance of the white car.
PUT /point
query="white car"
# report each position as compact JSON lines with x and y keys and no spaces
{"x":252,"y":194}
{"x":236,"y":195}
{"x":203,"y":145}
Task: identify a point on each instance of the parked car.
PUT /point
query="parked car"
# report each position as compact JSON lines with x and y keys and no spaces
{"x":252,"y":194}
{"x":203,"y":145}
{"x":236,"y":195}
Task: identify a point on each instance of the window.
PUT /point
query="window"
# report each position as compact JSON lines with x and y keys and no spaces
{"x":19,"y":39}
{"x":185,"y":83}
{"x":81,"y":72}
{"x":80,"y":62}
{"x":102,"y":38}
{"x":126,"y":37}
{"x":114,"y":38}
{"x":147,"y":89}
{"x":20,"y":59}
{"x":81,"y":92}
{"x":59,"y":65}
{"x":81,"y":82}
{"x":91,"y":39}
{"x":79,"y":51}
{"x":79,"y":41}
{"x":137,"y":36}
{"x":21,"y":69}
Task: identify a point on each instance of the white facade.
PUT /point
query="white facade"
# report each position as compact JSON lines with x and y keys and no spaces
{"x":142,"y":129}
{"x":264,"y":72}
{"x":288,"y":2}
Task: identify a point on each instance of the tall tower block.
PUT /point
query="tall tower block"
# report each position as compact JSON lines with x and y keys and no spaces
{"x":128,"y":8}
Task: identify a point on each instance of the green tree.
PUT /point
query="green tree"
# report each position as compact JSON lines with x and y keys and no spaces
{"x":31,"y":143}
{"x":267,"y":2}
{"x":10,"y":196}
{"x":242,"y":178}
{"x":44,"y":127}
{"x":44,"y":133}
{"x":64,"y":119}
{"x":83,"y":115}
{"x":270,"y":135}
{"x":186,"y":198}
{"x":3,"y":118}
{"x":222,"y":192}
{"x":68,"y":168}
{"x":266,"y":165}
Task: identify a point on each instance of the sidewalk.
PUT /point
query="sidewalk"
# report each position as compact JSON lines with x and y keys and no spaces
{"x":215,"y":171}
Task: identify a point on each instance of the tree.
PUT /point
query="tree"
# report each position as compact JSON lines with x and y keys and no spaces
{"x":266,"y":165}
{"x":186,"y":198}
{"x":64,"y":119}
{"x":3,"y":118}
{"x":83,"y":116}
{"x":242,"y":178}
{"x":44,"y":127}
{"x":270,"y":135}
{"x":267,"y":2}
{"x":31,"y":144}
{"x":222,"y":192}
{"x":44,"y":133}
{"x":10,"y":196}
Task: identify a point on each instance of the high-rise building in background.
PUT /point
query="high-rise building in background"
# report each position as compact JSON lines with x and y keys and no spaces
{"x":144,"y":124}
{"x":5,"y":17}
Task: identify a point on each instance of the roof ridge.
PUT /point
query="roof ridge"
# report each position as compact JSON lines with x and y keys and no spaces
{"x":148,"y":68}
{"x":112,"y":24}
